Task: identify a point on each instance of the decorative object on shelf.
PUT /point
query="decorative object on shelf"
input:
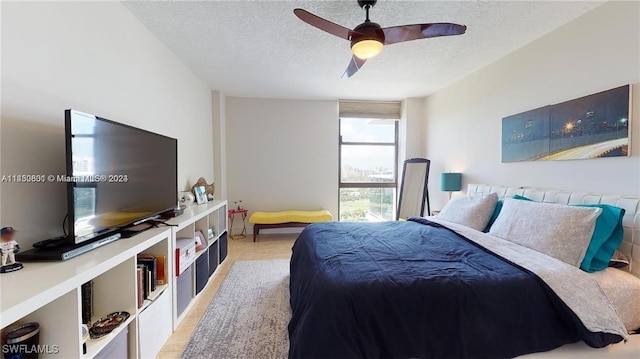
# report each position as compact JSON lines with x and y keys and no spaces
{"x":450,"y":182}
{"x":238,"y":204}
{"x":8,"y":248}
{"x":212,"y":233}
{"x":592,"y":126}
{"x":20,"y":341}
{"x":210,"y":189}
{"x":107,"y":324}
{"x":186,"y":198}
{"x":231,"y":214}
{"x":201,"y":195}
{"x":201,"y":241}
{"x":185,"y":254}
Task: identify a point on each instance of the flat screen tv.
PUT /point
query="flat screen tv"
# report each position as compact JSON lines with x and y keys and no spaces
{"x":117,"y":175}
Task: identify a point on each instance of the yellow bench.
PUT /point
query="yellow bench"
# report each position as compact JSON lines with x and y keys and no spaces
{"x":282,"y":219}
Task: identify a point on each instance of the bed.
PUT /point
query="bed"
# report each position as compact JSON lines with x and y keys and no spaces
{"x":427,"y":288}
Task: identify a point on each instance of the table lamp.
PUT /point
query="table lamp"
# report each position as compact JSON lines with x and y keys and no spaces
{"x":450,"y":182}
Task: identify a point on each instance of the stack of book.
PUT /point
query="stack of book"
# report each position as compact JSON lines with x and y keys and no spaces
{"x":150,"y":273}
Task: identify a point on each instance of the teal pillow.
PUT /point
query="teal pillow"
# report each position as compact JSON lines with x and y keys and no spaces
{"x":522,"y":198}
{"x":494,"y":216}
{"x":606,"y":238}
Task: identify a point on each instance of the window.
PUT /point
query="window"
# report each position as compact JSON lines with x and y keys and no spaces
{"x":368,"y":169}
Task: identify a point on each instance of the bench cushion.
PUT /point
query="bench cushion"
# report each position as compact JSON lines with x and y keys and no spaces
{"x":290,"y":216}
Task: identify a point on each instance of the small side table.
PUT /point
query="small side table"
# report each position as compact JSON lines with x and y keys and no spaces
{"x":231,"y":214}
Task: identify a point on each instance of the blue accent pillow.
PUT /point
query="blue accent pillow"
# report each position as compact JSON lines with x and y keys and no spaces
{"x":494,"y":216}
{"x":523,"y":198}
{"x":607,"y":236}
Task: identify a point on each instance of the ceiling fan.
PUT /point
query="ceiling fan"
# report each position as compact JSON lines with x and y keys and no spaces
{"x":368,"y":38}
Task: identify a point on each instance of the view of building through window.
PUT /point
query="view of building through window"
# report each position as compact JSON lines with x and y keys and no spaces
{"x":368,"y":163}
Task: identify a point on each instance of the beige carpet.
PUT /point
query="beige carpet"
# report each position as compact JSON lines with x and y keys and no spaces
{"x":248,"y":317}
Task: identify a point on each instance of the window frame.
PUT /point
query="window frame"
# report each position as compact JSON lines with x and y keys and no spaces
{"x":393,"y":144}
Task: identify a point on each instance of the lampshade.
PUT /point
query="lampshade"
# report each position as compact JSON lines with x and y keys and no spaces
{"x":450,"y":182}
{"x":365,"y":49}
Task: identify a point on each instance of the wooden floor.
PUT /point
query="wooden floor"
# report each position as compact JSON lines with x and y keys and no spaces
{"x":267,"y":247}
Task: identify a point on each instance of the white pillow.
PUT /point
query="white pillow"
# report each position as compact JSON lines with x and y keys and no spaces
{"x":557,"y":230}
{"x":473,"y":212}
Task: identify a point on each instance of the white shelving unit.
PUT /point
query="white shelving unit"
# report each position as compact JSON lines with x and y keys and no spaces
{"x":198,"y":218}
{"x":50,"y":293}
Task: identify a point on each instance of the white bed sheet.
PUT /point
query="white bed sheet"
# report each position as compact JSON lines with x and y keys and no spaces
{"x":623,"y":290}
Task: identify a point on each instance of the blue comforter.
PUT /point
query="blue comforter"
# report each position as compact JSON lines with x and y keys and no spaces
{"x":417,"y":289}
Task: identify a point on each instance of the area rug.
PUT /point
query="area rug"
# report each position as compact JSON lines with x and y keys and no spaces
{"x":248,"y":316}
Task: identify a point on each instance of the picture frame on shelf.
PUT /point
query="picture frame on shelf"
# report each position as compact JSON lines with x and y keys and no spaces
{"x":201,"y":195}
{"x":201,"y":241}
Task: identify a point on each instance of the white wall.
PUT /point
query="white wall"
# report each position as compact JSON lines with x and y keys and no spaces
{"x":596,"y":52}
{"x":98,"y":58}
{"x":282,"y":154}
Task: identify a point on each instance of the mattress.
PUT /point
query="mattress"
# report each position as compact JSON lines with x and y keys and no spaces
{"x":623,"y":290}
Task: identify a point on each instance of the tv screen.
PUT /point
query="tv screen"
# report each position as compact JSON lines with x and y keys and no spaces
{"x":116,"y":175}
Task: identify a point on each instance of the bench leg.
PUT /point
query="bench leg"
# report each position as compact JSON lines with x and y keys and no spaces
{"x":256,"y":230}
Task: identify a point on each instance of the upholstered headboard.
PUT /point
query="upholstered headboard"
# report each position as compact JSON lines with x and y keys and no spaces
{"x":630,"y":244}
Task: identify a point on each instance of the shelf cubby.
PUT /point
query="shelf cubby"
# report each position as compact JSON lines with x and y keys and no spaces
{"x":55,"y":318}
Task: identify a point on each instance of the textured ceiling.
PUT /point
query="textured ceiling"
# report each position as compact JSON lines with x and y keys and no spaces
{"x":260,"y":49}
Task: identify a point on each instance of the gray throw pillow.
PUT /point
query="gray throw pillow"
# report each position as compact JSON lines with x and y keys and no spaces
{"x":557,"y":230}
{"x":473,"y":212}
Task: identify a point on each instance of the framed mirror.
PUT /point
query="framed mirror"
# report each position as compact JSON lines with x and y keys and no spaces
{"x":414,"y":193}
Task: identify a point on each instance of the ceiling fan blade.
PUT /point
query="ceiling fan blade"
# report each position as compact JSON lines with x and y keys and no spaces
{"x":322,"y":24}
{"x":403,"y":33}
{"x":354,"y":65}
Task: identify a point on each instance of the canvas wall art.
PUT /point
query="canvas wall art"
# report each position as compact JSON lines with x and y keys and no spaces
{"x":592,"y":126}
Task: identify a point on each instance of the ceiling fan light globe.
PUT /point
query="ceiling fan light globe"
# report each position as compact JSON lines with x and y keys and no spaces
{"x":366,"y":49}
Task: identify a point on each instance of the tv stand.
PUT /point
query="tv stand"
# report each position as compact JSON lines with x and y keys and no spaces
{"x":50,"y":293}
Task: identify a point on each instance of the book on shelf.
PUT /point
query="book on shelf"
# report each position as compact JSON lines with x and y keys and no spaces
{"x":144,"y":287}
{"x":87,"y":302}
{"x":140,"y":284}
{"x":151,"y":262}
{"x":161,"y":263}
{"x":151,"y":286}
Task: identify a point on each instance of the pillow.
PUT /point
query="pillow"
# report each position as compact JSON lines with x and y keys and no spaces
{"x":522,"y":198}
{"x":473,"y":212}
{"x":606,"y":237}
{"x":557,"y":230}
{"x":619,"y":260}
{"x":494,"y":216}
